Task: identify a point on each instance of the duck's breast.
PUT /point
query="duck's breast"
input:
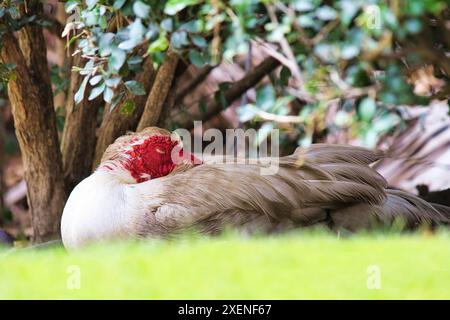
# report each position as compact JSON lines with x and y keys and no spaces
{"x":96,"y":210}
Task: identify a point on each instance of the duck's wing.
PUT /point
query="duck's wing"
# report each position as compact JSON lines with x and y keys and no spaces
{"x":303,"y":188}
{"x":329,"y":183}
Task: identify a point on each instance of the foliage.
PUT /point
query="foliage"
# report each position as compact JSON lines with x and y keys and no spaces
{"x":296,"y":266}
{"x":11,"y":19}
{"x":345,"y":50}
{"x":357,"y":54}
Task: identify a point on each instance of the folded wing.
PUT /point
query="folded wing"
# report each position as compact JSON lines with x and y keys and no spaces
{"x":315,"y":184}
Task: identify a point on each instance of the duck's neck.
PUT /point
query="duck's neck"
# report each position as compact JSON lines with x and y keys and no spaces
{"x":97,"y":209}
{"x":114,"y":172}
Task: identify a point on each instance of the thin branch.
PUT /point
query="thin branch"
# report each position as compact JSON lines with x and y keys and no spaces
{"x":214,"y":107}
{"x":267,"y":116}
{"x":324,"y":31}
{"x":286,"y":47}
{"x":305,"y":96}
{"x":348,"y":92}
{"x":292,"y":15}
{"x":191,"y":86}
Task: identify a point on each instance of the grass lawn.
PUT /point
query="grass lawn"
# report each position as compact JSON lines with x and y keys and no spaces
{"x":294,"y":266}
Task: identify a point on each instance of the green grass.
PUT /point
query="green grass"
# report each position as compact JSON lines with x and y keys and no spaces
{"x":308,"y":266}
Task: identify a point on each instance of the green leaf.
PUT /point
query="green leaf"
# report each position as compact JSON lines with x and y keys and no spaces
{"x":202,"y":106}
{"x":199,"y":41}
{"x":307,"y":21}
{"x":196,"y":58}
{"x":303,"y":5}
{"x":108,"y":94}
{"x":191,"y":26}
{"x":96,"y":92}
{"x":413,"y":25}
{"x":104,"y":45}
{"x":87,"y":68}
{"x":128,"y":44}
{"x":285,"y":74}
{"x":415,"y":7}
{"x":115,"y":100}
{"x":326,"y":51}
{"x":78,"y":97}
{"x":386,"y":122}
{"x":174,"y":6}
{"x":91,"y":3}
{"x":280,"y":106}
{"x":153,"y":32}
{"x":246,"y":113}
{"x":117,"y":59}
{"x":128,"y":107}
{"x":112,"y":82}
{"x":367,"y":109}
{"x":71,"y":5}
{"x":159,"y":45}
{"x":119,"y":4}
{"x":371,"y":138}
{"x":264,"y":132}
{"x":135,"y":87}
{"x":223,"y":86}
{"x":357,"y":76}
{"x":167,"y":24}
{"x":349,"y":51}
{"x":265,"y":97}
{"x":137,"y":30}
{"x":90,"y":18}
{"x":326,"y":13}
{"x":389,"y":18}
{"x":135,"y":60}
{"x":103,"y":23}
{"x":141,"y":10}
{"x":349,"y":9}
{"x":342,"y":119}
{"x":179,"y":39}
{"x":95,"y":80}
{"x":220,"y":98}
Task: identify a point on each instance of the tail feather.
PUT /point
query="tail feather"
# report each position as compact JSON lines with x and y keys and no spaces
{"x":413,"y":210}
{"x":444,"y":211}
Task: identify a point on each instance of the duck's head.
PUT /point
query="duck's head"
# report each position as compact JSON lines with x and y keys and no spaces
{"x":141,"y":156}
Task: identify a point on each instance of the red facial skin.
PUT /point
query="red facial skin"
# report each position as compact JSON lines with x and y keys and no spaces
{"x":152,"y":158}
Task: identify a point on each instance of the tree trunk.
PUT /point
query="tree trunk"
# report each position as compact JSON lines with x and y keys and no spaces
{"x":171,"y":99}
{"x":2,"y":163}
{"x":35,"y":124}
{"x":159,"y":91}
{"x":63,"y":58}
{"x":115,"y":123}
{"x":78,"y":139}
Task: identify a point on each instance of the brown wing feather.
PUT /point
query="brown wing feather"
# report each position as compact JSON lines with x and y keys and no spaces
{"x":334,"y":153}
{"x":208,"y":191}
{"x":308,"y":184}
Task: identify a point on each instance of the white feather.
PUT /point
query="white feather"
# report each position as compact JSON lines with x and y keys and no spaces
{"x":99,"y":208}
